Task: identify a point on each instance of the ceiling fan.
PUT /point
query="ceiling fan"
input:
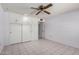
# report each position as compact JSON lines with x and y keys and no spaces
{"x":42,"y":8}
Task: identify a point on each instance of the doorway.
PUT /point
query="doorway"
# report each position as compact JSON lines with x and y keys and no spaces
{"x":41,"y":29}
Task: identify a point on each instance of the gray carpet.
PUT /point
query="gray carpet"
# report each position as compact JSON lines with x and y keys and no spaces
{"x":39,"y":47}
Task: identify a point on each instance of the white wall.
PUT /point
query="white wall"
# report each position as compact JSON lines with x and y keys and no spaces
{"x":63,"y":28}
{"x":1,"y":28}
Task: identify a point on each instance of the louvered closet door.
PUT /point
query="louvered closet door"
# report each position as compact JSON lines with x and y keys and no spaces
{"x":15,"y":33}
{"x":26,"y":33}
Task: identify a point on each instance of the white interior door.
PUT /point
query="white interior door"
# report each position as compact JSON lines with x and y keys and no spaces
{"x":26,"y":33}
{"x":15,"y":33}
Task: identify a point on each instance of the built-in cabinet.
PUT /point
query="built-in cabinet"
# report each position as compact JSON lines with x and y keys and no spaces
{"x":21,"y":30}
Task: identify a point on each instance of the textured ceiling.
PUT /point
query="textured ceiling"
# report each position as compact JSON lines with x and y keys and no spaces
{"x":24,"y":8}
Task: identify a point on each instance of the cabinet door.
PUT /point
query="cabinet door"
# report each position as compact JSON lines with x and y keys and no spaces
{"x":26,"y":33}
{"x":15,"y":33}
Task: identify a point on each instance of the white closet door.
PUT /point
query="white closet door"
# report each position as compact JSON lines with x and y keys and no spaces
{"x":26,"y":33}
{"x":15,"y":33}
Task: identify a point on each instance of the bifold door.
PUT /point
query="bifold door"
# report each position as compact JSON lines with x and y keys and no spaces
{"x":26,"y":33}
{"x":19,"y":33}
{"x":15,"y":33}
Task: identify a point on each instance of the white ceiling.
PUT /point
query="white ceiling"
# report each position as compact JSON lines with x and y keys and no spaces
{"x":24,"y":8}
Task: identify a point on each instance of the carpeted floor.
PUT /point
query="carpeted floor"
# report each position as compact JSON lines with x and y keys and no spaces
{"x":39,"y":47}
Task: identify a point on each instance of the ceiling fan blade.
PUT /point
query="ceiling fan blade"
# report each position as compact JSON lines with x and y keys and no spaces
{"x":49,"y":5}
{"x":47,"y":12}
{"x":38,"y":12}
{"x":34,"y":8}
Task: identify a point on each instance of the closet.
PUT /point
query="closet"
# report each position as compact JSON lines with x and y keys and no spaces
{"x":21,"y":30}
{"x":14,"y":33}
